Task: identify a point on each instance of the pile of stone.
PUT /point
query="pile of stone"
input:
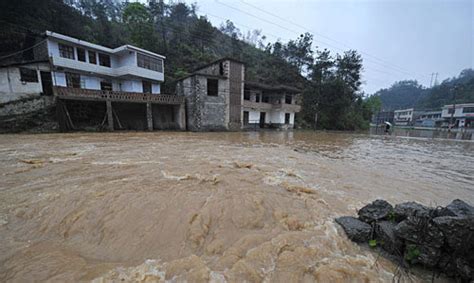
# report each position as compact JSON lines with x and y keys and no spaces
{"x":441,"y":238}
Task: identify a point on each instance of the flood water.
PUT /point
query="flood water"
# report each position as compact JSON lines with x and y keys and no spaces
{"x":218,"y":207}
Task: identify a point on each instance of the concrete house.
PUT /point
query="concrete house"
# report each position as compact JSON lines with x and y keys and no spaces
{"x":97,"y":84}
{"x":405,"y":117}
{"x":219,"y":98}
{"x":462,"y":114}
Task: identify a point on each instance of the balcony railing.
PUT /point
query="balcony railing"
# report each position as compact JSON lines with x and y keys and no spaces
{"x":118,"y":96}
{"x":272,"y":106}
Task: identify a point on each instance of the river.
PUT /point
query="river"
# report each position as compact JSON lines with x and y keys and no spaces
{"x":255,"y":206}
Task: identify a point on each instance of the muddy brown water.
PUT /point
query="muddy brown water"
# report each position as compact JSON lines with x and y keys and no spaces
{"x":218,"y":207}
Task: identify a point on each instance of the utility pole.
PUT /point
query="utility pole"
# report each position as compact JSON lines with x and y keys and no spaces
{"x":454,"y":89}
{"x":431,"y":80}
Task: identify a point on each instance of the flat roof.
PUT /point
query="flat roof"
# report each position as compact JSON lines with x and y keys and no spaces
{"x":100,"y":47}
{"x":262,"y":86}
{"x":459,"y":105}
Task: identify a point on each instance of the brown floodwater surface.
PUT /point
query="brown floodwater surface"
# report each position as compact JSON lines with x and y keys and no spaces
{"x":218,"y":207}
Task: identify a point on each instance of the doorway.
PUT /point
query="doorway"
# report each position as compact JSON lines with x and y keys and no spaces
{"x":262,"y":119}
{"x":46,"y":83}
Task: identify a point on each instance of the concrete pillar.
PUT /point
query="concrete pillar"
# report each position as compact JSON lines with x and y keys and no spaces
{"x":181,"y":117}
{"x":149,"y":116}
{"x":110,"y":115}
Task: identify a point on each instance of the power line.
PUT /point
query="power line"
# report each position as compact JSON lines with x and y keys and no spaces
{"x":296,"y":32}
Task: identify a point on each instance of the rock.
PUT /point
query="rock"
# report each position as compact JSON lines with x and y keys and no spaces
{"x":458,"y":231}
{"x":420,"y":231}
{"x":422,"y":254}
{"x":457,"y":208}
{"x":406,"y":209}
{"x":377,"y":210}
{"x":464,"y":269}
{"x":385,"y":235}
{"x":355,"y":229}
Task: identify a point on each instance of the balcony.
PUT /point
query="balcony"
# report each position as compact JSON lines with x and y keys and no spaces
{"x":116,"y":96}
{"x":272,"y":106}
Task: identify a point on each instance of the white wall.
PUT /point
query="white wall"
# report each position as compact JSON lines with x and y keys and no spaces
{"x":132,"y":86}
{"x":12,"y":88}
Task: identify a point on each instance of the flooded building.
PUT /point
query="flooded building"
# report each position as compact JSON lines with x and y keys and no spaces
{"x":405,"y":117}
{"x":429,"y":119}
{"x":219,"y":98}
{"x":96,"y":86}
{"x":461,"y":114}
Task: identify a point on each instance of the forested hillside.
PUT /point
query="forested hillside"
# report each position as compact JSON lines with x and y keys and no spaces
{"x":330,"y":82}
{"x":408,"y":94}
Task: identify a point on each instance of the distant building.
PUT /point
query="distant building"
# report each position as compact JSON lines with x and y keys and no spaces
{"x":382,"y":117}
{"x":462,"y":114}
{"x":430,"y":119}
{"x":219,"y":98}
{"x":405,"y":117}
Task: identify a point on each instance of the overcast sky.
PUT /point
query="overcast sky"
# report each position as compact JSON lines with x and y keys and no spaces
{"x":398,"y":39}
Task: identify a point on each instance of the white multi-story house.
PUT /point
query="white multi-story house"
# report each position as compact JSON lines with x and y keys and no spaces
{"x":90,"y":81}
{"x":405,"y":117}
{"x":462,"y":114}
{"x":81,"y":64}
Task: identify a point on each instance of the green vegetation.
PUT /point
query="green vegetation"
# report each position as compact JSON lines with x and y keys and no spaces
{"x":330,"y":82}
{"x":373,"y":243}
{"x":412,"y":253}
{"x":408,"y":94}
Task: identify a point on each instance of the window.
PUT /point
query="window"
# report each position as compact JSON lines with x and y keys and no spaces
{"x":105,"y":85}
{"x":212,"y":87}
{"x":221,"y":68}
{"x":257,"y":98}
{"x":104,"y":60}
{"x":146,"y":86}
{"x":92,"y":57}
{"x":468,"y":110}
{"x":150,"y":63}
{"x":73,"y":80}
{"x":66,"y":51}
{"x":246,"y":94}
{"x":287,"y":118}
{"x":265,"y":98}
{"x":81,"y":54}
{"x":288,"y":99}
{"x":28,"y":75}
{"x":450,"y":110}
{"x":246,"y":117}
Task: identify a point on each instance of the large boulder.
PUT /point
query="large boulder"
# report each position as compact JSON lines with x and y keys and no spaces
{"x":422,"y":254}
{"x":457,"y":208}
{"x":406,"y":209}
{"x":375,"y":211}
{"x":355,"y":229}
{"x":458,"y":231}
{"x":421,"y":231}
{"x":385,"y":235}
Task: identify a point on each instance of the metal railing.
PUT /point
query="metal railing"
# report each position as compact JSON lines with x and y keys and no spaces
{"x":90,"y":94}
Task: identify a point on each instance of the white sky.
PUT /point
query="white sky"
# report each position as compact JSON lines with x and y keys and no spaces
{"x":398,"y":39}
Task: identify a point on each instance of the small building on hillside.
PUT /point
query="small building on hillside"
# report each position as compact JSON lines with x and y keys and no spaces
{"x":405,"y":117}
{"x":94,"y":84}
{"x":219,"y":98}
{"x":462,"y":114}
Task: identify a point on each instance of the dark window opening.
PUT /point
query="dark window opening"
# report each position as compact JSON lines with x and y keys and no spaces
{"x":81,"y":54}
{"x":257,"y":98}
{"x":150,"y":63}
{"x":28,"y":75}
{"x":265,"y":98}
{"x":212,"y":87}
{"x":104,"y":85}
{"x":73,"y":80}
{"x":468,"y":110}
{"x":92,"y":57}
{"x":104,"y":60}
{"x":287,"y":118}
{"x":221,"y":68}
{"x":246,"y":94}
{"x":288,"y":99}
{"x":66,"y":51}
{"x":450,"y":110}
{"x":246,"y":117}
{"x":146,"y":86}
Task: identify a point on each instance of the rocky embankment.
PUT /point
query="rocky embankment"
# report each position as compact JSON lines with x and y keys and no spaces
{"x":441,"y":238}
